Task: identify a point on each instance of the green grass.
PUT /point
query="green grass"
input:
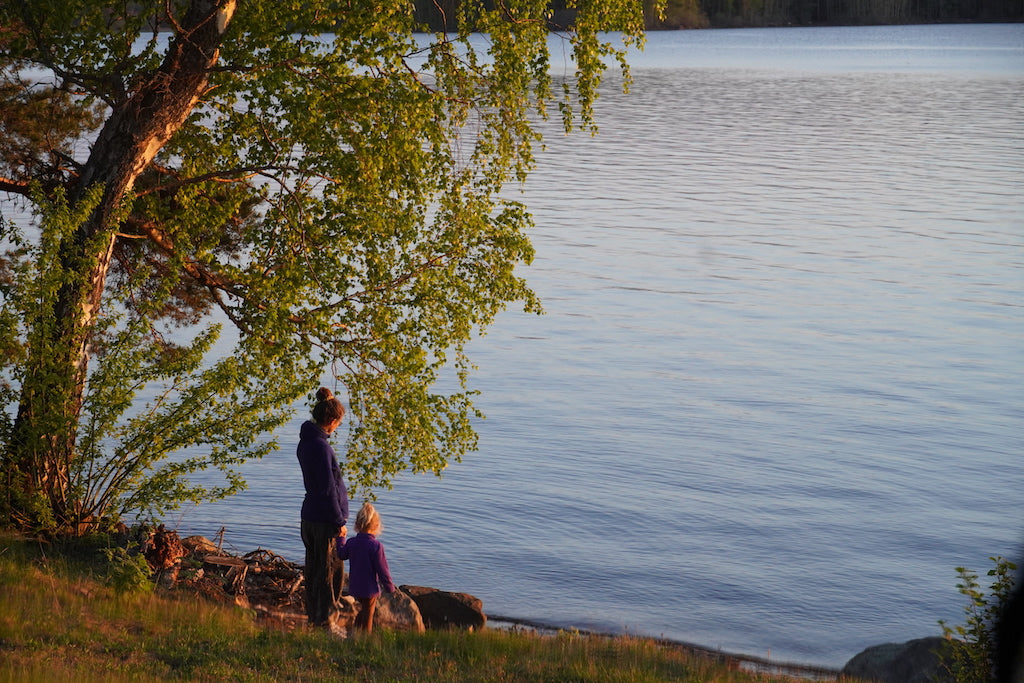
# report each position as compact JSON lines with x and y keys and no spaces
{"x":60,"y":621}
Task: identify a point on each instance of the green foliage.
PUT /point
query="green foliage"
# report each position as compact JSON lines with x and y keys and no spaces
{"x":334,"y":194}
{"x":972,"y":645}
{"x":127,"y":571}
{"x":37,"y":273}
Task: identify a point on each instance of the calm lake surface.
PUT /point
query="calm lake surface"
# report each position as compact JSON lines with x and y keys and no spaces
{"x":778,"y":393}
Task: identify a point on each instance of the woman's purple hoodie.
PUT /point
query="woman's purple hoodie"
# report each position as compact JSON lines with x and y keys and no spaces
{"x":326,"y":500}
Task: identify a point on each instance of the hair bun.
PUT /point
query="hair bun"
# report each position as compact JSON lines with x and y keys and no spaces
{"x":324,"y":394}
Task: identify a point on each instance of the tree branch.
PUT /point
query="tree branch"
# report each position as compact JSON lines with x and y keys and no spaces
{"x":223,"y":176}
{"x":14,"y":186}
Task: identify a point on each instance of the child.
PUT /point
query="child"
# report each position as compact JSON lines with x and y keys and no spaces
{"x":366,"y":565}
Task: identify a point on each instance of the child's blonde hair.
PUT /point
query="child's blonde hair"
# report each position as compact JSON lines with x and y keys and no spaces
{"x":368,"y":521}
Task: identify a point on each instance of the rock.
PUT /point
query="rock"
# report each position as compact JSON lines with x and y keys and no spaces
{"x":344,"y":614}
{"x":398,"y":612}
{"x":200,"y":545}
{"x":444,"y":610}
{"x":395,"y":611}
{"x":915,"y":661}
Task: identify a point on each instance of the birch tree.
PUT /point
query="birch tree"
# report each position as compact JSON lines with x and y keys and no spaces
{"x":208,"y":203}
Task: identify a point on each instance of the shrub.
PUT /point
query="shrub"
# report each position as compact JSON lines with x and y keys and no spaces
{"x":973,"y":645}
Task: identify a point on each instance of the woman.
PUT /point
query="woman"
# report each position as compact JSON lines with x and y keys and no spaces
{"x":324,"y":509}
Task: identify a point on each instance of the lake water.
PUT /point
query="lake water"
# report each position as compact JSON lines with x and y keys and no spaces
{"x":778,"y":393}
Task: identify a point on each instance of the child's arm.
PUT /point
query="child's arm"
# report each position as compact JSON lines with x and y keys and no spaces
{"x":383,"y":572}
{"x":341,"y":548}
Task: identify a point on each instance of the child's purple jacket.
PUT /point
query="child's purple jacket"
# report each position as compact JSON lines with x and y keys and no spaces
{"x":367,"y":565}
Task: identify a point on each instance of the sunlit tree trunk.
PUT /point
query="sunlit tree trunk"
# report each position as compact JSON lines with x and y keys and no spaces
{"x":45,"y":430}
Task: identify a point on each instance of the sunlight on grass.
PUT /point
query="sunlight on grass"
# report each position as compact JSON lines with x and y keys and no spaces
{"x":60,"y":622}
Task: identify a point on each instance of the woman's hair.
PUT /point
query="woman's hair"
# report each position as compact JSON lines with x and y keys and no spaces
{"x":368,"y":521}
{"x":327,"y":408}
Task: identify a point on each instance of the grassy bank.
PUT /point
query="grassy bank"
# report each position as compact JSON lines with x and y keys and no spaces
{"x":60,"y":620}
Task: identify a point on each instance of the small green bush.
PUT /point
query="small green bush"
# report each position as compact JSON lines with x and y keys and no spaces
{"x":127,"y":571}
{"x":972,"y":645}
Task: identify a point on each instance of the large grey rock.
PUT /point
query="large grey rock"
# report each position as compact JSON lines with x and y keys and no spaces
{"x":398,"y":612}
{"x":443,"y":610}
{"x":395,"y":611}
{"x":915,"y":661}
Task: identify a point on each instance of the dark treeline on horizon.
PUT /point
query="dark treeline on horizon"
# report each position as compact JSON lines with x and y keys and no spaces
{"x":439,"y":15}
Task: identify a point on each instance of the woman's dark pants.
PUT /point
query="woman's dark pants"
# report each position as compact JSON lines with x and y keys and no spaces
{"x":324,"y":573}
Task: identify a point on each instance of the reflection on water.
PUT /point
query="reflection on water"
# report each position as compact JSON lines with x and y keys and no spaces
{"x":777,"y":396}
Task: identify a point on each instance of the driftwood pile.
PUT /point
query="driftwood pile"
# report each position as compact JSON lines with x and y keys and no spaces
{"x":260,"y":580}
